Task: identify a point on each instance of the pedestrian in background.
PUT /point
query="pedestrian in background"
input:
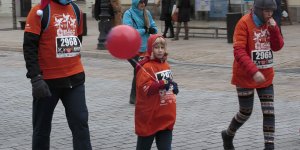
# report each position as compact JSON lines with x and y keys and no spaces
{"x":278,"y":14}
{"x":155,"y":110}
{"x":256,"y":37}
{"x":166,"y":15}
{"x":141,"y":19}
{"x":52,"y":57}
{"x":183,"y":10}
{"x":112,"y":18}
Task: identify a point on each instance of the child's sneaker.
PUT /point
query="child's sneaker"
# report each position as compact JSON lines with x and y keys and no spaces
{"x":227,"y":141}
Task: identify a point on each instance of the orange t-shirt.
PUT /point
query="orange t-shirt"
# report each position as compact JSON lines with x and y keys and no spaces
{"x":247,"y":39}
{"x":155,"y":112}
{"x":59,"y":46}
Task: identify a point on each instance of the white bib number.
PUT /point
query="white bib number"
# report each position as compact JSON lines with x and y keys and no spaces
{"x":262,"y":58}
{"x":67,"y":46}
{"x":166,"y":97}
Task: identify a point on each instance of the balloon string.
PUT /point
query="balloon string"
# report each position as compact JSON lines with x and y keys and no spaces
{"x":144,"y":69}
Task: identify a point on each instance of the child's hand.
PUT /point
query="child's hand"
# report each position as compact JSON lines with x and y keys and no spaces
{"x":271,"y":22}
{"x":259,"y":77}
{"x":170,"y":82}
{"x":175,"y":88}
{"x":167,"y":84}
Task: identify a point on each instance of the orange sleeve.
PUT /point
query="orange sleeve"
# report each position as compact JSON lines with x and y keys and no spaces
{"x":33,"y":21}
{"x":240,"y":35}
{"x":144,"y":80}
{"x":240,"y":52}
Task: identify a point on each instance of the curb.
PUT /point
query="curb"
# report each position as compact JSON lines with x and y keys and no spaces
{"x":104,"y":54}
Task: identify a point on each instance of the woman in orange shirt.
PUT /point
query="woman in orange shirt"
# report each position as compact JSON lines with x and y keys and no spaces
{"x":155,"y":111}
{"x":256,"y":36}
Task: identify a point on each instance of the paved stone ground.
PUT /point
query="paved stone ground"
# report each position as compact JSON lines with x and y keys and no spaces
{"x":206,"y":102}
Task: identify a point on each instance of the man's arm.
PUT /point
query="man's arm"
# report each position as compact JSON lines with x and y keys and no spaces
{"x":30,"y":50}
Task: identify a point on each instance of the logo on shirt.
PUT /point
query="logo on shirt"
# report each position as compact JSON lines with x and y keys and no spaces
{"x":65,"y":24}
{"x":262,"y":39}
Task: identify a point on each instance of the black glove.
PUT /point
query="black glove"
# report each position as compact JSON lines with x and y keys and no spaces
{"x":97,"y":18}
{"x":175,"y":88}
{"x":167,"y":84}
{"x":170,"y":82}
{"x":151,"y":30}
{"x":40,"y":88}
{"x":146,"y":29}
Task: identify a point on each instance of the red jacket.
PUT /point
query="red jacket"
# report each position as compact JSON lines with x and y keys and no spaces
{"x":247,"y":38}
{"x":155,"y":108}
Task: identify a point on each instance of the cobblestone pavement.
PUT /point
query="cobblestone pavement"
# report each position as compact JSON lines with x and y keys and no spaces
{"x":206,"y":104}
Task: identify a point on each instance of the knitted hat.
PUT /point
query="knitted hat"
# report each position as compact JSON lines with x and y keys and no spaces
{"x":43,"y":4}
{"x":150,"y":43}
{"x":149,"y":55}
{"x":260,"y":5}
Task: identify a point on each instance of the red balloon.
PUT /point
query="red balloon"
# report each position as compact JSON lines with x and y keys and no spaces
{"x":123,"y":42}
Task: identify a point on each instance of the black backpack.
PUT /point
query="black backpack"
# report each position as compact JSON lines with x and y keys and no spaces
{"x":46,"y":15}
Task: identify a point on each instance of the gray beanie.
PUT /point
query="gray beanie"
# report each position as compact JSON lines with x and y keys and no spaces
{"x":260,"y":5}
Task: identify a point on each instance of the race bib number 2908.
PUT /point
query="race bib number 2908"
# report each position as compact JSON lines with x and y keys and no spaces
{"x":262,"y":58}
{"x":67,"y":46}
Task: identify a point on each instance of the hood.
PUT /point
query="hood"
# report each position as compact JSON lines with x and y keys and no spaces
{"x":150,"y":42}
{"x":135,"y":3}
{"x":148,"y":56}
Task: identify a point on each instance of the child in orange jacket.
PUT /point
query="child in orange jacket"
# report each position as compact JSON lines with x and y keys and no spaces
{"x":155,"y":111}
{"x":256,"y":37}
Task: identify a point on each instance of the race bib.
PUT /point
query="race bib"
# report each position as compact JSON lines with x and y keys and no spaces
{"x":164,"y":75}
{"x":166,"y":97}
{"x":262,"y":58}
{"x":67,"y":46}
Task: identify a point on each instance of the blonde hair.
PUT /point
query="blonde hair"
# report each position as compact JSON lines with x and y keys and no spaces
{"x":160,"y":40}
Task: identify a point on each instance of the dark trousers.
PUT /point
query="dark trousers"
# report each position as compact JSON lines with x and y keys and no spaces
{"x":133,"y":85}
{"x":163,"y":141}
{"x":168,"y":25}
{"x":76,"y":111}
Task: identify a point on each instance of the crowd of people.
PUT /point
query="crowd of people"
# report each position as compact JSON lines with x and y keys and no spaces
{"x":56,"y":72}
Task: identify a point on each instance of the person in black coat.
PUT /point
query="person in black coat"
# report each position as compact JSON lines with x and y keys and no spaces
{"x":166,"y":12}
{"x":278,"y":14}
{"x":183,"y":10}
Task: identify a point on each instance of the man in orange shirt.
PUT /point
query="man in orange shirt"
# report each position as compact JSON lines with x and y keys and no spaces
{"x":256,"y":37}
{"x":52,"y":56}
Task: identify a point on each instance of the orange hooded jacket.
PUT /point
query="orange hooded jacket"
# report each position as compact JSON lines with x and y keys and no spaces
{"x":155,"y":110}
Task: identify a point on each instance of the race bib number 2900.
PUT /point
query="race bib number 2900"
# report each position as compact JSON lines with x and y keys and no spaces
{"x":262,"y":58}
{"x":67,"y":46}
